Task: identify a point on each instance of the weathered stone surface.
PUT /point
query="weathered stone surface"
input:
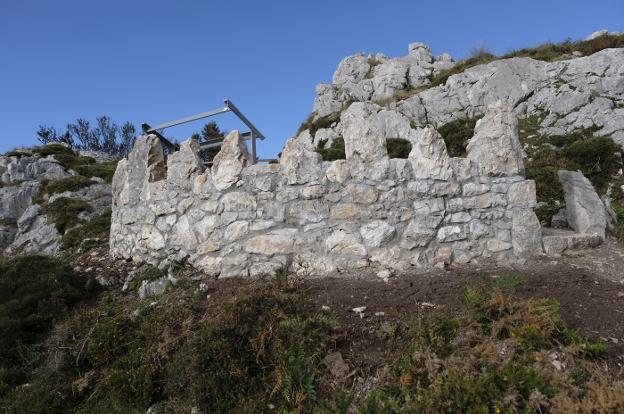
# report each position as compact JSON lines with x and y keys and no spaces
{"x":184,"y":165}
{"x":228,"y":164}
{"x":522,"y":194}
{"x":338,"y":171}
{"x":14,"y":200}
{"x":153,"y":288}
{"x":300,"y":163}
{"x":429,"y":157}
{"x":495,"y":146}
{"x":270,"y":244}
{"x":342,"y":243}
{"x":584,"y":209}
{"x":526,"y":233}
{"x":376,"y":233}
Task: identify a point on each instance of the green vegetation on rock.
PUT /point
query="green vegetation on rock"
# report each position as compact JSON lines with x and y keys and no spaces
{"x":598,"y":158}
{"x":398,"y":148}
{"x":63,"y":212}
{"x":456,"y":135}
{"x":97,"y":228}
{"x":35,"y":291}
{"x":336,"y":151}
{"x":50,"y":187}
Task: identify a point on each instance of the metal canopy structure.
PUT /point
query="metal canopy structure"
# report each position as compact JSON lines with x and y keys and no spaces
{"x":252,"y":134}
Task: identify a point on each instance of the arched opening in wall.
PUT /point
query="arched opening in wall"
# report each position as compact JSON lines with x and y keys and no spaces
{"x":398,"y":147}
{"x":456,"y":135}
{"x":334,"y":151}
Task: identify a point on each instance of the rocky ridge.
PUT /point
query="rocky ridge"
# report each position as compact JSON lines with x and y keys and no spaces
{"x":26,"y":208}
{"x":576,"y":92}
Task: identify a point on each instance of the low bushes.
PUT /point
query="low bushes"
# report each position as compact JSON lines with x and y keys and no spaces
{"x":63,"y":212}
{"x":97,"y":228}
{"x":500,"y":355}
{"x":50,"y":187}
{"x":598,"y":158}
{"x":258,"y":346}
{"x":396,"y":147}
{"x":456,"y":135}
{"x":336,"y":151}
{"x":34,"y":292}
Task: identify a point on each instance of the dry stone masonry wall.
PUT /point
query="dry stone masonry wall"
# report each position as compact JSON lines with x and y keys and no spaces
{"x":320,"y":217}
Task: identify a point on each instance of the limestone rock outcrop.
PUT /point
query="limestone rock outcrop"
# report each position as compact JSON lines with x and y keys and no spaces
{"x":579,"y":92}
{"x":24,"y":226}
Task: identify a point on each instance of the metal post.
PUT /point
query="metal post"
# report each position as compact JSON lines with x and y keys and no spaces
{"x":253,"y":148}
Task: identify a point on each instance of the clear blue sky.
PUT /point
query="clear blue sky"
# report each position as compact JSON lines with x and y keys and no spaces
{"x":158,"y":60}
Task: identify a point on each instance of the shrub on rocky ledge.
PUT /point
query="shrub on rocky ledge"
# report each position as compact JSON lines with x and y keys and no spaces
{"x":456,"y":135}
{"x":63,"y":212}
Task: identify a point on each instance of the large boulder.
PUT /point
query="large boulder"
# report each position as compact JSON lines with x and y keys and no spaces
{"x":584,"y":209}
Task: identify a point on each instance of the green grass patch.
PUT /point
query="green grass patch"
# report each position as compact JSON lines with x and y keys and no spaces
{"x":17,"y":153}
{"x":398,"y":148}
{"x":63,"y":212}
{"x":336,"y":151}
{"x":97,"y":228}
{"x":241,"y":354}
{"x":34,"y":292}
{"x":509,"y":282}
{"x":50,"y":187}
{"x":493,"y":357}
{"x":555,"y":51}
{"x":9,"y":222}
{"x":598,"y":158}
{"x":52,"y":149}
{"x":456,"y":135}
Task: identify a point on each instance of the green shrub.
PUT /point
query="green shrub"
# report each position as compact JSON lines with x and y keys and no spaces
{"x":73,"y":183}
{"x":336,"y":150}
{"x":17,"y":153}
{"x":53,"y":149}
{"x":456,"y":135}
{"x":103,"y":170}
{"x":457,"y":364}
{"x":260,"y":347}
{"x":63,"y":212}
{"x":98,"y":227}
{"x":596,"y":157}
{"x":34,"y":291}
{"x":461,"y":66}
{"x":398,"y":147}
{"x":555,"y":51}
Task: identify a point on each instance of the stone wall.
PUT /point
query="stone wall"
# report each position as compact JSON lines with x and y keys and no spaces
{"x":319,"y":217}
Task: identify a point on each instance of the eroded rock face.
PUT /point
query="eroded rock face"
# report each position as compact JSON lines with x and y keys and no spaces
{"x":23,"y":226}
{"x":579,"y":92}
{"x":323,"y":217}
{"x":229,"y":162}
{"x":495,"y":146}
{"x":585,"y":211}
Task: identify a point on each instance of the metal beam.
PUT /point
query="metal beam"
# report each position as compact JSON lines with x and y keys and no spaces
{"x":242,"y":117}
{"x":190,"y":119}
{"x":149,"y":130}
